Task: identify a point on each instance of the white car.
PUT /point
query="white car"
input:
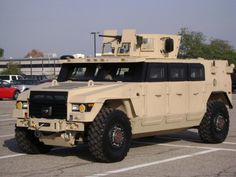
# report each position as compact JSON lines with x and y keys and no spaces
{"x":10,"y":78}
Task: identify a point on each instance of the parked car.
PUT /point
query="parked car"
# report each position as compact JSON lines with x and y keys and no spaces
{"x":6,"y":91}
{"x":10,"y":78}
{"x":25,"y":84}
{"x":41,"y":78}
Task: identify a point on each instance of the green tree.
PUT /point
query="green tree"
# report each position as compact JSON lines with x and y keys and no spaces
{"x":1,"y":52}
{"x":194,"y":45}
{"x":34,"y":54}
{"x":13,"y":69}
{"x":220,"y":48}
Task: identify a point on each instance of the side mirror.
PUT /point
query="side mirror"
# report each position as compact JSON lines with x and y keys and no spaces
{"x":169,"y":45}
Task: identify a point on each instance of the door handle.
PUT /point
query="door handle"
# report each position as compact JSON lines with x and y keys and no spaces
{"x":157,"y":95}
{"x":179,"y":94}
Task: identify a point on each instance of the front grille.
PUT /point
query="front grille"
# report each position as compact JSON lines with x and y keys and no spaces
{"x":51,"y":105}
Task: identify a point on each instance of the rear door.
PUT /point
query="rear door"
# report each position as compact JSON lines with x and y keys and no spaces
{"x":196,"y":91}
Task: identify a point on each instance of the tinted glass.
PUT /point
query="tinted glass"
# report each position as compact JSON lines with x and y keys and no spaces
{"x":13,"y":78}
{"x":196,"y":72}
{"x":157,"y":72}
{"x":5,"y":77}
{"x":177,"y":72}
{"x":130,"y":72}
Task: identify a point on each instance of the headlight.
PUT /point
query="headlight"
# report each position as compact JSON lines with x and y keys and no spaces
{"x":24,"y":105}
{"x":21,"y":105}
{"x":85,"y":107}
{"x":75,"y":107}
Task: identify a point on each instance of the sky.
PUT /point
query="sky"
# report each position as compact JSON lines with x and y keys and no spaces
{"x":64,"y":26}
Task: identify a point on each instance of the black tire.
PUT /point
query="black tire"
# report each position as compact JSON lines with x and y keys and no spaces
{"x":109,"y":136}
{"x":16,"y":94}
{"x":214,"y":126}
{"x":29,"y":143}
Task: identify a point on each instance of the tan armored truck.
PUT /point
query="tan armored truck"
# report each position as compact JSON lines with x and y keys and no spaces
{"x":137,"y":88}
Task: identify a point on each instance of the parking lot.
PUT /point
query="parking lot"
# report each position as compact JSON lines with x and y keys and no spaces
{"x":173,"y":155}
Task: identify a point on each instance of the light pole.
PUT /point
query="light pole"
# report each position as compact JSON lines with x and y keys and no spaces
{"x":94,"y":42}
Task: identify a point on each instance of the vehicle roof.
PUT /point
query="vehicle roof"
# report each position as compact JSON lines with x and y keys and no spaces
{"x":112,"y":59}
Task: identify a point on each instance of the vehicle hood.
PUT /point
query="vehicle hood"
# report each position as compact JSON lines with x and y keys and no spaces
{"x":90,"y":92}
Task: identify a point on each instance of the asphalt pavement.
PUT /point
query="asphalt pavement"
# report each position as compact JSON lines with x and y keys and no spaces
{"x":173,"y":155}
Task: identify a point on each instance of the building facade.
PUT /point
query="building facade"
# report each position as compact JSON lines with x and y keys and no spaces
{"x":35,"y":66}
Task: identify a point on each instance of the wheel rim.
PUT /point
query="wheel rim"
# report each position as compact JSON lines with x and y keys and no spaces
{"x":117,"y":136}
{"x":220,"y":123}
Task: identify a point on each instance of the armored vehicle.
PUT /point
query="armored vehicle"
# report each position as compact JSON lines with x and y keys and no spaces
{"x":137,"y":88}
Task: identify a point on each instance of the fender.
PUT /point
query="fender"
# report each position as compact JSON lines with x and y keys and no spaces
{"x":223,"y":96}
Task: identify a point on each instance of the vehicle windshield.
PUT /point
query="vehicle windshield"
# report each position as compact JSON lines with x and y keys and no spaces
{"x":108,"y":72}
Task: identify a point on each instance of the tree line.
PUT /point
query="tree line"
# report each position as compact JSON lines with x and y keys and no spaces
{"x":195,"y":44}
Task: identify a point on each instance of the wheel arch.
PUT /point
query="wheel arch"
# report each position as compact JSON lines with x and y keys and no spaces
{"x":221,"y":96}
{"x":123,"y":105}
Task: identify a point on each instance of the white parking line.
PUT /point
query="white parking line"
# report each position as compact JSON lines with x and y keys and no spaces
{"x":185,"y":146}
{"x":194,"y":140}
{"x":4,"y":120}
{"x":4,"y":136}
{"x":207,"y":148}
{"x":10,"y":156}
{"x":152,"y":163}
{"x":197,"y":147}
{"x":229,"y":143}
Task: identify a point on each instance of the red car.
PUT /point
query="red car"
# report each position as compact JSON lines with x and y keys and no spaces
{"x":6,"y":91}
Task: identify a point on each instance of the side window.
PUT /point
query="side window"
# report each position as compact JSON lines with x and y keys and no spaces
{"x":13,"y":78}
{"x":124,"y":49}
{"x":108,"y":49}
{"x":147,"y":45}
{"x":177,"y":72}
{"x":157,"y":72}
{"x":196,"y":72}
{"x":5,"y":77}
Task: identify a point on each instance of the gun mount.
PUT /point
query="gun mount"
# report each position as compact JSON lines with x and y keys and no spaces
{"x":142,"y":45}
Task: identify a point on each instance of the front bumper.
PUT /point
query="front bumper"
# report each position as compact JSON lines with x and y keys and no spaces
{"x":50,"y":125}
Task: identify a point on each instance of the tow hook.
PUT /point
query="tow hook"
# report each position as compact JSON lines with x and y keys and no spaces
{"x":37,"y":133}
